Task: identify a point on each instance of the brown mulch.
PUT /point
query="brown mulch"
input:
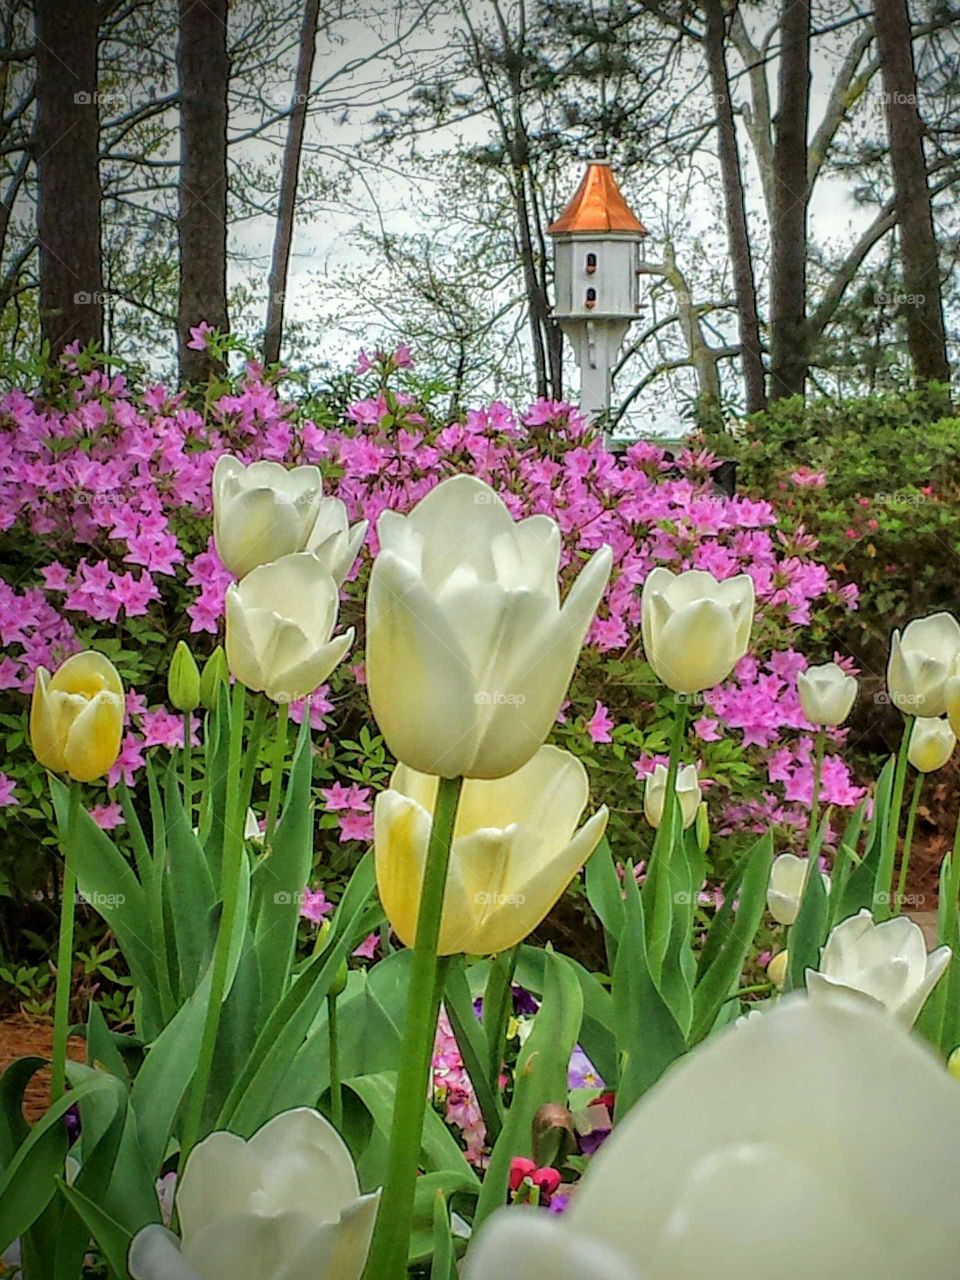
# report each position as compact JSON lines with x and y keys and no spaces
{"x":23,"y":1037}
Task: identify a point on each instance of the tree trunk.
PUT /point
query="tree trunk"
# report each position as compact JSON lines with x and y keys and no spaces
{"x":738,"y":234}
{"x":920,"y":266}
{"x":788,"y":233}
{"x":283,"y":238}
{"x":66,"y":146}
{"x":202,"y":224}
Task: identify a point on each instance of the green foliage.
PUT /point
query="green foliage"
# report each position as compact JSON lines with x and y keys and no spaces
{"x":887,"y":516}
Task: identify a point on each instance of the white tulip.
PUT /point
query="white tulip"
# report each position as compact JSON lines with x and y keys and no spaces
{"x":280,"y":620}
{"x":469,"y":653}
{"x":655,"y":793}
{"x":931,"y":744}
{"x":334,"y":541}
{"x":516,"y":848}
{"x":827,"y":694}
{"x":262,"y":512}
{"x":788,"y":878}
{"x":922,"y":658}
{"x":885,"y":963}
{"x":695,"y":629}
{"x":285,"y":1205}
{"x":835,"y":1128}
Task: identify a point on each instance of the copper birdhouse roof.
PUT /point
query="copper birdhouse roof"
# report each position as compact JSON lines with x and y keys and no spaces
{"x":597,"y":206}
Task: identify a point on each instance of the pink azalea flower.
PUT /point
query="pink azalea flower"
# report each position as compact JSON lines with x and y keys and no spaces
{"x":199,"y":335}
{"x":599,"y":725}
{"x":314,"y":905}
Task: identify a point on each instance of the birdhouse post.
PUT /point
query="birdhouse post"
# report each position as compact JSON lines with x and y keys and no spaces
{"x":596,"y":252}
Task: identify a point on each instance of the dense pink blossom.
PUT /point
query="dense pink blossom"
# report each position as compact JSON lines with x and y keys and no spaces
{"x":122,"y":507}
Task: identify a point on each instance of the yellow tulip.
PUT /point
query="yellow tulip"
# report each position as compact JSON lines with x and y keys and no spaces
{"x":516,"y":847}
{"x":76,"y":717}
{"x":777,"y":970}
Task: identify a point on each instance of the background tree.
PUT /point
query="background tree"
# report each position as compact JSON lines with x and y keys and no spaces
{"x":918,"y":243}
{"x":66,"y":150}
{"x":202,"y":224}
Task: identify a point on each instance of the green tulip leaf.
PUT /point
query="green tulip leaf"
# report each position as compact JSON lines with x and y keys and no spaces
{"x":540,"y":1076}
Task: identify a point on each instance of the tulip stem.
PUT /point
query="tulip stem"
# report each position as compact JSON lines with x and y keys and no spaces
{"x":336,"y":1087}
{"x":278,"y":755}
{"x":68,"y":903}
{"x":908,"y":843}
{"x":391,"y":1240}
{"x":233,"y":855}
{"x":882,"y":906}
{"x":818,"y":754}
{"x":188,"y":766}
{"x":658,"y":872}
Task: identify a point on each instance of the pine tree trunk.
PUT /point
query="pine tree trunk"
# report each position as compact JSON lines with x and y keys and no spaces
{"x":738,"y":235}
{"x":202,"y":226}
{"x":789,"y":339}
{"x":920,"y":266}
{"x":283,"y":238}
{"x":67,"y":150}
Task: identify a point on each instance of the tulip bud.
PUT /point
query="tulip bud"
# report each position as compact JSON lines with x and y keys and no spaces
{"x":76,"y":717}
{"x":922,"y":659}
{"x":183,"y":679}
{"x":695,"y":629}
{"x":552,"y":1133}
{"x":703,"y":827}
{"x":827,"y":694}
{"x":688,"y":794}
{"x":788,"y":881}
{"x":931,"y":744}
{"x":339,"y":983}
{"x":953,"y":1064}
{"x":214,"y":676}
{"x":777,"y":969}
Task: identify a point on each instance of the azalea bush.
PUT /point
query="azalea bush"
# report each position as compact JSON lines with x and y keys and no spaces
{"x":468,"y":1101}
{"x":105,"y":504}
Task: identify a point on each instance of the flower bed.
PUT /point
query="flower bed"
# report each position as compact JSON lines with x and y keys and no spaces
{"x":105,"y":505}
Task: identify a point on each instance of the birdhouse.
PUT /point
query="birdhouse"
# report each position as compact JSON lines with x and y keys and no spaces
{"x":595,"y":251}
{"x":597,"y":282}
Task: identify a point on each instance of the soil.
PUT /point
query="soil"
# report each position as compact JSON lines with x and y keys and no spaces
{"x":23,"y":1037}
